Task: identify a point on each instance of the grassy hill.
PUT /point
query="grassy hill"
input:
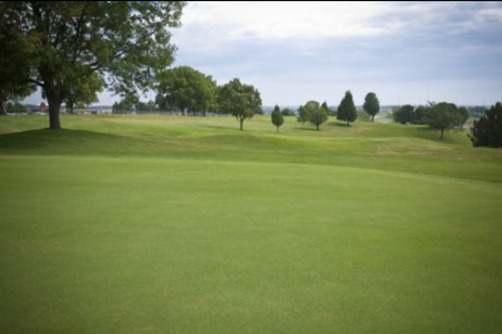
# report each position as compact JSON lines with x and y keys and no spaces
{"x":363,"y":145}
{"x":187,"y":225}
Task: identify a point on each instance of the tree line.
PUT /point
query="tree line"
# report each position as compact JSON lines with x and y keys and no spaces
{"x":316,"y":113}
{"x":73,"y":50}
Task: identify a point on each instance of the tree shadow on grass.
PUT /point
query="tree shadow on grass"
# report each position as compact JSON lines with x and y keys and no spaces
{"x":50,"y":141}
{"x":306,"y":129}
{"x":338,"y":124}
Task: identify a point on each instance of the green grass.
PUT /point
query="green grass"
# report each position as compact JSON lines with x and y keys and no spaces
{"x":150,"y":224}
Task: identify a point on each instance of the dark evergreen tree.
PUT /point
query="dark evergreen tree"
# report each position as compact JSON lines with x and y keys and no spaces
{"x":346,"y":109}
{"x":487,"y":131}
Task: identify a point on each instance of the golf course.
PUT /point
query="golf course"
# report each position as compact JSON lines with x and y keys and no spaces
{"x":181,"y":224}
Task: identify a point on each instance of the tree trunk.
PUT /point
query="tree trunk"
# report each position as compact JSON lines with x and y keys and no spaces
{"x":277,"y":130}
{"x":70,"y":107}
{"x":54,"y":106}
{"x":372,"y":118}
{"x":2,"y":109}
{"x":317,"y":127}
{"x":348,"y":123}
{"x":241,"y":120}
{"x":441,"y":135}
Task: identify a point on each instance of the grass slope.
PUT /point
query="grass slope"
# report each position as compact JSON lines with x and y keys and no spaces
{"x":186,"y":225}
{"x":364,"y":145}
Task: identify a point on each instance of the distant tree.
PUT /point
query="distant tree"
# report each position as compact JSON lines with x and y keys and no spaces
{"x":287,"y":112}
{"x":277,"y":117}
{"x":240,"y":100}
{"x":15,"y":107}
{"x":303,"y":115}
{"x":125,"y":105}
{"x":404,"y":114}
{"x":443,"y":116}
{"x":311,"y":106}
{"x":325,"y":106}
{"x":371,"y":105}
{"x":346,"y":109}
{"x":84,"y":90}
{"x":419,"y":114}
{"x":487,"y":131}
{"x":127,"y":43}
{"x":186,"y":89}
{"x":318,"y":116}
{"x":146,"y":106}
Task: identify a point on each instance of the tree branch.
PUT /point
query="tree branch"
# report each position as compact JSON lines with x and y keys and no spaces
{"x":38,"y":83}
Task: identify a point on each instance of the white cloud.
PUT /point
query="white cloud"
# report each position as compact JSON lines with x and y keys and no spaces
{"x":279,"y":20}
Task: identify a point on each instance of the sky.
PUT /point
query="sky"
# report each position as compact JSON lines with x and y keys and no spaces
{"x":293,"y":52}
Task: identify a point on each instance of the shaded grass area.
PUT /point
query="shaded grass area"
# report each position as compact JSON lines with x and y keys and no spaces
{"x":363,"y":145}
{"x":113,"y":245}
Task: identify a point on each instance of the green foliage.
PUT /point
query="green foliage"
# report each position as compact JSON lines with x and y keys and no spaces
{"x":287,"y":112}
{"x":277,"y":117}
{"x":16,"y":53}
{"x":346,"y":109}
{"x":405,"y":114}
{"x":84,"y":90}
{"x":15,"y":107}
{"x":443,"y":116}
{"x":371,"y":105}
{"x":463,"y":116}
{"x":318,"y":116}
{"x":186,"y":89}
{"x":303,"y":115}
{"x":314,"y":113}
{"x":487,"y":131}
{"x":239,"y":100}
{"x":125,"y":43}
{"x":146,"y":106}
{"x":123,"y":106}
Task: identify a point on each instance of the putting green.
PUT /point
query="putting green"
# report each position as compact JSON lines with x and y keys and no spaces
{"x":148,"y":245}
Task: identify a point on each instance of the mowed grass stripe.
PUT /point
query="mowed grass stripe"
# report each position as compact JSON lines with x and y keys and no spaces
{"x":96,"y":244}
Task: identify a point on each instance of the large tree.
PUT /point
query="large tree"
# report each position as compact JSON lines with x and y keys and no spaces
{"x":371,"y":105}
{"x":238,"y":99}
{"x":346,"y":109}
{"x":487,"y":131}
{"x":186,"y":89}
{"x":16,"y":54}
{"x":125,"y":42}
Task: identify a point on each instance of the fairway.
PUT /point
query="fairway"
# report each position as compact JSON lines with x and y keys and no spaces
{"x":187,"y":225}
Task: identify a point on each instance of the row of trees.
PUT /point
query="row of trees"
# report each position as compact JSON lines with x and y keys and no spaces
{"x":187,"y":90}
{"x":440,"y":116}
{"x":73,"y":50}
{"x":316,"y":113}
